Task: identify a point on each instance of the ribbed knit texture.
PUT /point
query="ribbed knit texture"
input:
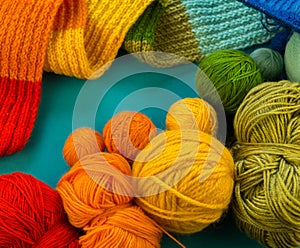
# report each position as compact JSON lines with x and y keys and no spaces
{"x":72,"y":37}
{"x":287,"y":12}
{"x":193,"y":28}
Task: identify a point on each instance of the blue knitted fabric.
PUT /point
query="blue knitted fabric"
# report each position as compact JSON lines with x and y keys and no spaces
{"x":224,"y":24}
{"x":285,"y":11}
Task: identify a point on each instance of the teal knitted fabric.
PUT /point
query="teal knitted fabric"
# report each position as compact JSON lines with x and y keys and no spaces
{"x":225,"y":24}
{"x":194,"y":28}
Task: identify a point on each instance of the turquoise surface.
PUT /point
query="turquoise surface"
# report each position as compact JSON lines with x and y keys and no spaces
{"x":68,"y":103}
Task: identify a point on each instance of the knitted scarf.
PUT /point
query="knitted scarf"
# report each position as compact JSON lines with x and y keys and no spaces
{"x":72,"y":37}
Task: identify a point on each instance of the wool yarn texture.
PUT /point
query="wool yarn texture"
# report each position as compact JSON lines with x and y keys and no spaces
{"x":128,"y":132}
{"x":75,"y":38}
{"x":226,"y":76}
{"x":187,"y":180}
{"x":32,"y":215}
{"x":266,"y":202}
{"x":285,"y":11}
{"x":185,"y":30}
{"x":292,"y":58}
{"x":97,"y":196}
{"x":270,"y":63}
{"x":83,"y":141}
{"x":192,"y":113}
{"x":278,"y":43}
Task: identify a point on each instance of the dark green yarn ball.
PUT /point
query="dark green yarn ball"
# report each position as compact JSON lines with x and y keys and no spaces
{"x":232,"y":73}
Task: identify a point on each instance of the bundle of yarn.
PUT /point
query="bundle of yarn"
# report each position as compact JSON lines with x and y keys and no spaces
{"x":266,"y":202}
{"x":98,"y":196}
{"x":123,"y":201}
{"x":32,"y":214}
{"x":184,"y":175}
{"x":225,"y":77}
{"x":270,"y":63}
{"x":77,"y":38}
{"x":127,"y":133}
{"x":292,"y":58}
{"x":183,"y":31}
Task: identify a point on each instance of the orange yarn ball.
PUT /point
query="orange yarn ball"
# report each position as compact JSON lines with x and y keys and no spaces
{"x":127,"y":133}
{"x":97,"y":196}
{"x":192,"y":113}
{"x":88,"y":189}
{"x":81,"y":142}
{"x":128,"y":227}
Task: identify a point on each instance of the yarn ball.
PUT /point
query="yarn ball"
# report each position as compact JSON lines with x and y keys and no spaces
{"x":187,"y":180}
{"x":267,"y":164}
{"x":97,"y":196}
{"x":226,"y":76}
{"x":32,"y":214}
{"x":83,"y":141}
{"x":128,"y":227}
{"x":292,"y":58}
{"x":192,"y":113}
{"x":270,"y":63}
{"x":127,"y":133}
{"x":91,"y":185}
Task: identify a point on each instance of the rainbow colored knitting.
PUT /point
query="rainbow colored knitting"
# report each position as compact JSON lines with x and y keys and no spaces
{"x":191,"y":29}
{"x":72,"y":37}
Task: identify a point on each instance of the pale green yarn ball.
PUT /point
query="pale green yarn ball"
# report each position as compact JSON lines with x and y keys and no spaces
{"x":225,"y":77}
{"x":292,"y":58}
{"x":270,"y":63}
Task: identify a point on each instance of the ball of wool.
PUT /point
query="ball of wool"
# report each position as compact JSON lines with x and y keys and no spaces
{"x":267,"y":165}
{"x":127,"y":133}
{"x":95,"y":184}
{"x":32,"y":214}
{"x":292,"y":58}
{"x":97,"y":196}
{"x":270,"y":63}
{"x":226,"y":76}
{"x":189,"y":180}
{"x":127,"y":227}
{"x":83,"y":141}
{"x":192,"y":113}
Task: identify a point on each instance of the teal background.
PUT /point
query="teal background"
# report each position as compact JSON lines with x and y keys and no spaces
{"x":42,"y":157}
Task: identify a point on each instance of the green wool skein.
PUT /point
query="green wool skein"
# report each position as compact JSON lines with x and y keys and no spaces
{"x":266,"y":202}
{"x":232,"y":73}
{"x":270,"y":63}
{"x":292,"y":58}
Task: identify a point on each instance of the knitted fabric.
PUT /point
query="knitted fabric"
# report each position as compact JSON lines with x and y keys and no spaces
{"x":287,"y":12}
{"x":72,"y":37}
{"x":193,"y":28}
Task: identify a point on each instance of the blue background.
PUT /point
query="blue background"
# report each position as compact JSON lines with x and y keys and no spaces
{"x":42,"y":156}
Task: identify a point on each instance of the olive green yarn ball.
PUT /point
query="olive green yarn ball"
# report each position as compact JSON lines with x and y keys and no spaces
{"x":232,"y":74}
{"x":266,"y":202}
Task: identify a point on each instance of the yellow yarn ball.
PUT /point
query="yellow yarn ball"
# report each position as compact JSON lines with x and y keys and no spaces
{"x":192,"y":113}
{"x":184,"y":180}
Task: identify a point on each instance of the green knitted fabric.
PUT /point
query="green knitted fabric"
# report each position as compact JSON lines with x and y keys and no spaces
{"x":140,"y":37}
{"x":164,"y":27}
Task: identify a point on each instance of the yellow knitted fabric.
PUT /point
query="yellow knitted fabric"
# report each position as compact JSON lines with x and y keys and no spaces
{"x":85,"y":47}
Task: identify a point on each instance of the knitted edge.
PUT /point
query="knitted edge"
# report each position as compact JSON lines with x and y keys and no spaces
{"x":286,"y":18}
